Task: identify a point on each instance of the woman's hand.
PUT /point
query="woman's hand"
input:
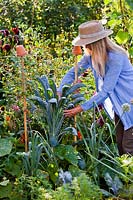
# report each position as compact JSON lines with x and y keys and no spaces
{"x":73,"y":112}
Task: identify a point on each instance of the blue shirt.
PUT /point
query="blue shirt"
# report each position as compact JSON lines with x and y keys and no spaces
{"x":117,"y":84}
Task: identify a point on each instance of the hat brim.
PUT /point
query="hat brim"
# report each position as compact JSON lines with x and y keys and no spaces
{"x":81,"y":41}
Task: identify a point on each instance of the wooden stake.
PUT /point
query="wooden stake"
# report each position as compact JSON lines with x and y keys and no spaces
{"x":24,"y":105}
{"x":76,"y":51}
{"x":76,"y":80}
{"x":21,"y":53}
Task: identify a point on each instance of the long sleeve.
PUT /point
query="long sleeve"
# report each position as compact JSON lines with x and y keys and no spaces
{"x":113,"y":69}
{"x":83,"y":65}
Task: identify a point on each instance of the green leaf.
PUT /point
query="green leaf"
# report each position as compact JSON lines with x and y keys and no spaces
{"x":106,"y":2}
{"x":53,"y":100}
{"x":13,"y":166}
{"x":77,"y":95}
{"x":65,"y":89}
{"x":5,"y":191}
{"x":5,"y":147}
{"x":122,"y":37}
{"x":130,"y":29}
{"x":74,"y":88}
{"x":67,"y":152}
{"x":71,"y":130}
{"x":78,"y":100}
{"x":44,"y":81}
{"x":40,"y":101}
{"x":81,"y":164}
{"x":53,"y":86}
{"x":113,"y":22}
{"x":131,"y":51}
{"x":130,"y":3}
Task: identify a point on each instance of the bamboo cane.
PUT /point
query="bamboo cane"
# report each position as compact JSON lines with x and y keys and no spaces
{"x":24,"y":106}
{"x":76,"y":51}
{"x":21,"y":53}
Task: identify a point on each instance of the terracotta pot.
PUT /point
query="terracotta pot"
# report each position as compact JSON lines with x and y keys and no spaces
{"x":21,"y":50}
{"x":76,"y":50}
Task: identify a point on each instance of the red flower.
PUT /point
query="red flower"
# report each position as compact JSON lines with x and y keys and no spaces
{"x":79,"y":135}
{"x":15,"y":30}
{"x":100,"y":122}
{"x":6,"y":47}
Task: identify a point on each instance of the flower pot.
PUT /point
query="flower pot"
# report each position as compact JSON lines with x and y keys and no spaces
{"x":76,"y":50}
{"x":21,"y":51}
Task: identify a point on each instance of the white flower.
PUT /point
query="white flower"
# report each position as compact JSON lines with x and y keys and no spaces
{"x":126,"y":107}
{"x":104,"y":21}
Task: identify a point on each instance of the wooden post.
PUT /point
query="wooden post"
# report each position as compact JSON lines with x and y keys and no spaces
{"x":76,"y":51}
{"x":21,"y":53}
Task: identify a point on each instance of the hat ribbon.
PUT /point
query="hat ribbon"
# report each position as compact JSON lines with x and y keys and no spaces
{"x":91,"y":35}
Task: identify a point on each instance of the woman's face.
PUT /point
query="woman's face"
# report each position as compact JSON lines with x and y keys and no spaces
{"x":87,"y":50}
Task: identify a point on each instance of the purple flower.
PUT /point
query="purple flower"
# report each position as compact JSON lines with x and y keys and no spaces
{"x":15,"y":108}
{"x":100,"y":107}
{"x":6,"y":32}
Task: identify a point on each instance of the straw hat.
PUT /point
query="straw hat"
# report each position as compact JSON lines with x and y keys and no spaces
{"x":90,"y":32}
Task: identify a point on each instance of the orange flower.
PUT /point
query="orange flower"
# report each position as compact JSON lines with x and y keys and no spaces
{"x":79,"y":135}
{"x":8,"y":118}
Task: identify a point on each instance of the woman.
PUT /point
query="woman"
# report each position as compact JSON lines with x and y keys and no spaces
{"x":113,"y":75}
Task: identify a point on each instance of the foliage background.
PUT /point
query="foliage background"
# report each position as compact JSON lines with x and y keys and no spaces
{"x":48,"y":27}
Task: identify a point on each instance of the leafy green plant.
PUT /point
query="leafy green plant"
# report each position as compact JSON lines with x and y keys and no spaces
{"x":81,"y":188}
{"x":29,"y":187}
{"x":126,"y":163}
{"x":31,"y":159}
{"x":41,"y":156}
{"x":118,"y":13}
{"x":102,"y":152}
{"x":51,"y":108}
{"x":114,"y":183}
{"x":5,"y":146}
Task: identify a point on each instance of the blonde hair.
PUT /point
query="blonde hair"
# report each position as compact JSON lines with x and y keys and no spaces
{"x":100,"y":51}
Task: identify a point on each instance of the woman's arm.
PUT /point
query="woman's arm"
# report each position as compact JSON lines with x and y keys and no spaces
{"x":115,"y":65}
{"x":83,"y":65}
{"x":114,"y":68}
